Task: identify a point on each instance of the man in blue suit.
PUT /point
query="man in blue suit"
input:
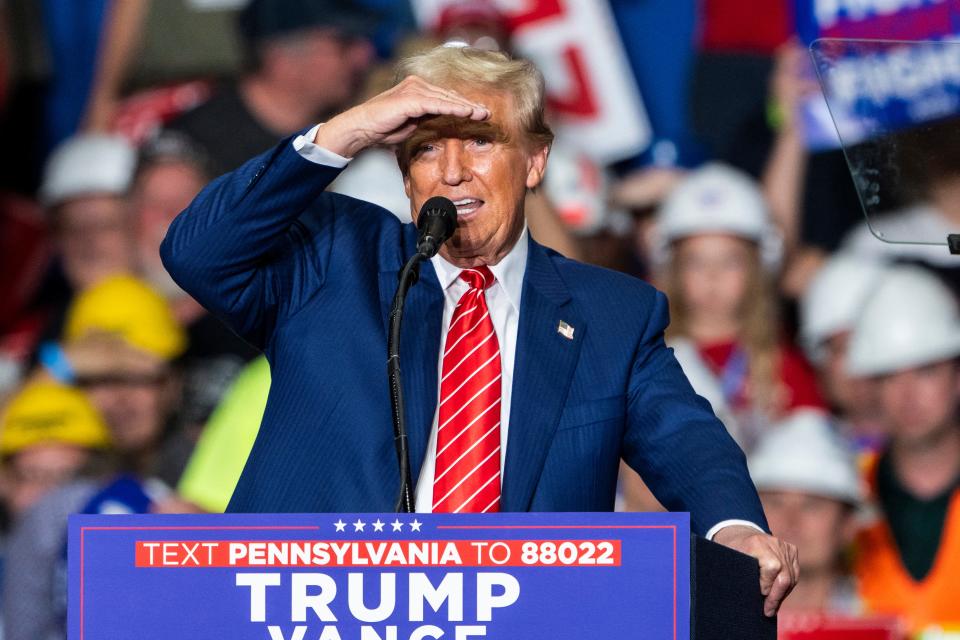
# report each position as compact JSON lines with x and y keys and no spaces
{"x":574,"y":373}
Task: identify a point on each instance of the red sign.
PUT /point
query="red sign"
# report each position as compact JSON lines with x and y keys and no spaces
{"x":825,"y":627}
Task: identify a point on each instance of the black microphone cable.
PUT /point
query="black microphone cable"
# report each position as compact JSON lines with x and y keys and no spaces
{"x":437,"y":222}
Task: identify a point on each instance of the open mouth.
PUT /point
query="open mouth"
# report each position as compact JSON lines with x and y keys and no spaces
{"x":467,"y":206}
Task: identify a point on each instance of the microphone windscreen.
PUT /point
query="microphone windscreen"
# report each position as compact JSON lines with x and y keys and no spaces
{"x":438,"y":208}
{"x":435,"y":225}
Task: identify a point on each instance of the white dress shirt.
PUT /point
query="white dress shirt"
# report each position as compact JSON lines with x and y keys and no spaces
{"x":503,"y":300}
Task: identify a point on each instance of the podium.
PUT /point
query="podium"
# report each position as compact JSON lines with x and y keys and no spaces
{"x":514,"y":576}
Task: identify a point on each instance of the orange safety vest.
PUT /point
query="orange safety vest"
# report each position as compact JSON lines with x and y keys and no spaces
{"x":887,"y":588}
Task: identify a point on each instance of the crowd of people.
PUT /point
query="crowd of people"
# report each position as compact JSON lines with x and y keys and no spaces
{"x":831,"y":357}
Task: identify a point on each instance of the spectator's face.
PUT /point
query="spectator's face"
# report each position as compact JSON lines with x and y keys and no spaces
{"x":134,"y":407}
{"x":160,"y":193}
{"x":485,"y":168}
{"x":326,"y":66}
{"x":95,"y":239}
{"x":714,"y":272}
{"x":820,"y":527}
{"x":852,"y":396}
{"x":35,"y":471}
{"x":920,"y":404}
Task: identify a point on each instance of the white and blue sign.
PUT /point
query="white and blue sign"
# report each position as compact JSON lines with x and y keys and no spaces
{"x":378,"y":577}
{"x":878,"y":67}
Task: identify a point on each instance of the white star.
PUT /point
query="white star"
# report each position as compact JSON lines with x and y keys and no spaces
{"x":359,"y":525}
{"x":415,"y":525}
{"x":397,"y":525}
{"x":378,"y":526}
{"x":340,"y":524}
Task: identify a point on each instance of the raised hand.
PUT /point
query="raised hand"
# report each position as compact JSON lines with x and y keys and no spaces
{"x":391,"y":117}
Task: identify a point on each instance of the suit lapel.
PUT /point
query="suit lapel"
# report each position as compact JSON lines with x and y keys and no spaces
{"x":419,"y":351}
{"x":543,"y":368}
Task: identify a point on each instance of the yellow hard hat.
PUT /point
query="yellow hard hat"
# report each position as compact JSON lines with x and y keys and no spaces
{"x":129,"y":307}
{"x":51,"y":412}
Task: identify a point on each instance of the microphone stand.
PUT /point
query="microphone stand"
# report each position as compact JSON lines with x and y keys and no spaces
{"x":408,"y":277}
{"x":436,"y":223}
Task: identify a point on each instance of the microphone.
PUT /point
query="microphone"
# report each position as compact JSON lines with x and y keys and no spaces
{"x":436,"y":223}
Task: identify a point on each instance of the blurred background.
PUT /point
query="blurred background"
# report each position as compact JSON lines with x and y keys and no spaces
{"x":695,"y":149}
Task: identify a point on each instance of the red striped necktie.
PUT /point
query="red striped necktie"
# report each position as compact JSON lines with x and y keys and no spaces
{"x":467,"y":472}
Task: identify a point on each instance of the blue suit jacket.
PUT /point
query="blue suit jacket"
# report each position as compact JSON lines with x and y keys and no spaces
{"x":308,"y":276}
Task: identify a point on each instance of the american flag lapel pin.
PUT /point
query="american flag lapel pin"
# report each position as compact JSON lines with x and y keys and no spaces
{"x":565,"y":330}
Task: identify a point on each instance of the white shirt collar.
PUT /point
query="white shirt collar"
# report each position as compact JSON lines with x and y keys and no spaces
{"x":508,"y":272}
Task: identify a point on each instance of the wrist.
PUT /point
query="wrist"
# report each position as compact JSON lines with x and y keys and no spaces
{"x":339,"y":137}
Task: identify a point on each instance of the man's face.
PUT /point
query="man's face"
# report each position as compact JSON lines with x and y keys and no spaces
{"x":920,"y":404}
{"x":95,"y":238}
{"x":134,"y":406}
{"x":820,"y":527}
{"x":854,"y":396}
{"x":485,"y":168}
{"x":160,"y":193}
{"x":32,"y":473}
{"x":327,"y":66}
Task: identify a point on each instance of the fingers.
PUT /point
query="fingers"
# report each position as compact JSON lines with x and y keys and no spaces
{"x":778,"y":560}
{"x":782,"y":585}
{"x":387,"y":117}
{"x":429,"y":99}
{"x":401,"y":134}
{"x":770,"y":568}
{"x":779,"y":571}
{"x":442,"y":107}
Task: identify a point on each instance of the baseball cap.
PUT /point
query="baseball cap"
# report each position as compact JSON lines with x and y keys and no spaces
{"x":264,"y":19}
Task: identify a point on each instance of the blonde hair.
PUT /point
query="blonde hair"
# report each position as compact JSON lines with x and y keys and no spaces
{"x":451,"y":67}
{"x":759,"y":322}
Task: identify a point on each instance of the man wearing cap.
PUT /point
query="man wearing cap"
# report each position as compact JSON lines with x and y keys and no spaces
{"x":84,"y":190}
{"x":49,"y":433}
{"x":809,"y":483}
{"x":527,"y":375}
{"x":50,"y":437}
{"x":119,"y":341}
{"x":908,"y":339}
{"x":306,"y":59}
{"x":829,"y":308}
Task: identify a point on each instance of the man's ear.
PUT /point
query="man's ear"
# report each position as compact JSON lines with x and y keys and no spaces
{"x":536,"y":166}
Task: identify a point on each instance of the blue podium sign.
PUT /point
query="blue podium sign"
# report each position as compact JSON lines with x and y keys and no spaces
{"x":380,"y":576}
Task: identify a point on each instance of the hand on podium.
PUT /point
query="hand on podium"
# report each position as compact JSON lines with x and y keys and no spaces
{"x":779,"y":566}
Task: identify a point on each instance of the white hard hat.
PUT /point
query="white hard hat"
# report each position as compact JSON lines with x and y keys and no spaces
{"x":88,"y":164}
{"x":805,"y":453}
{"x":718,"y":199}
{"x":910,"y":320}
{"x":834,"y":299}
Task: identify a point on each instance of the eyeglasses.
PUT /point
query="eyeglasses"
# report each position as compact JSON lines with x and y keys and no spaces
{"x":121,"y":380}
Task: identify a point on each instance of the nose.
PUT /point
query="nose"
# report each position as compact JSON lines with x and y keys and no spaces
{"x":453,"y":164}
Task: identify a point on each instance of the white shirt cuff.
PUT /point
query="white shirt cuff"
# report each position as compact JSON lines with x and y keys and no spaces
{"x":715,"y":529}
{"x":305,"y":146}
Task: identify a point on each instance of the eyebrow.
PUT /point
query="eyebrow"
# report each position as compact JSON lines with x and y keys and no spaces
{"x":438,"y":127}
